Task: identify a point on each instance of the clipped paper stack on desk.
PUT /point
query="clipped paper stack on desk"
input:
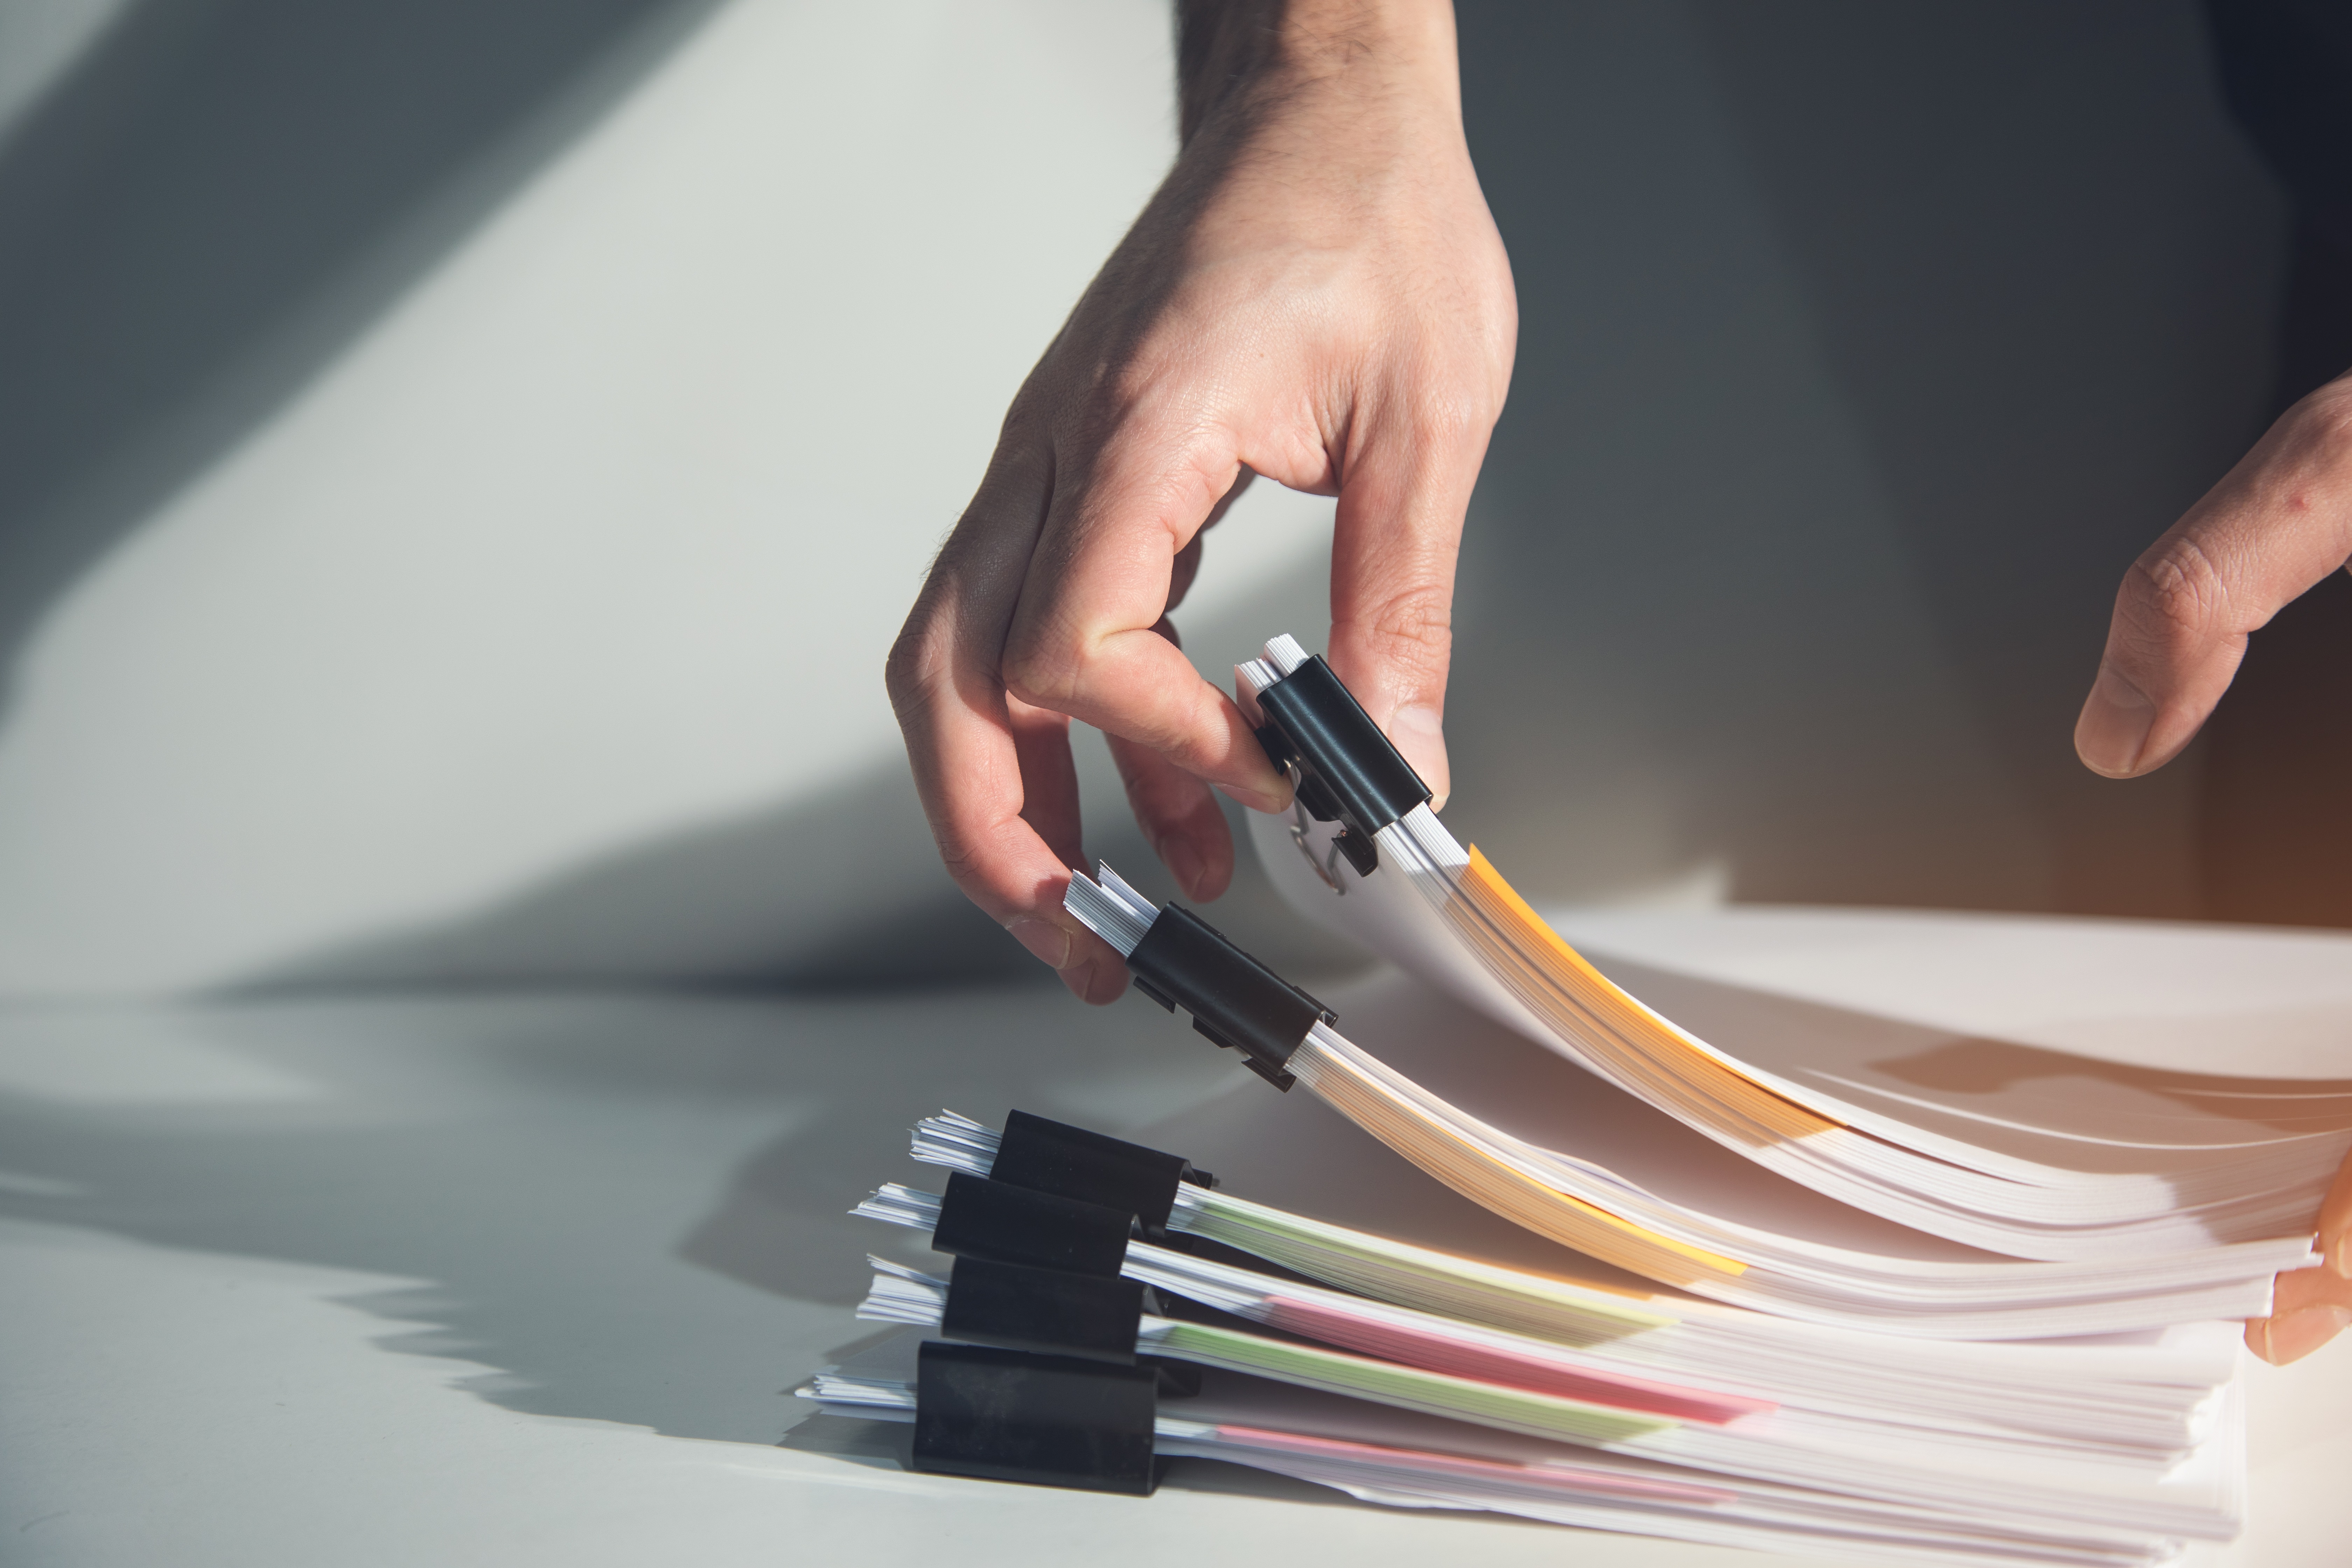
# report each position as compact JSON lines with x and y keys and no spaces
{"x":1538,"y":1394}
{"x":1944,"y":1273}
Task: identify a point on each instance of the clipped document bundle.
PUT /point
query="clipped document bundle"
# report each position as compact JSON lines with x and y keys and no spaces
{"x":1708,"y":1255}
{"x":2062,"y":1214}
{"x":2074,"y":1169}
{"x":1078,"y":1341}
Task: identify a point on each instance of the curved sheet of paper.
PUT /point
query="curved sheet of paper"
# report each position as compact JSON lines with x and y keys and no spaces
{"x":1803,"y":1254}
{"x":2047,"y":1139}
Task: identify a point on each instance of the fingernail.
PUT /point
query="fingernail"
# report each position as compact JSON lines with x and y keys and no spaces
{"x":1045,"y":940}
{"x":1094,"y":983}
{"x":2339,"y":1256}
{"x":2113,"y":729}
{"x":1184,"y":862}
{"x":2298,"y":1334}
{"x":1419,"y":731}
{"x":1254,"y":800}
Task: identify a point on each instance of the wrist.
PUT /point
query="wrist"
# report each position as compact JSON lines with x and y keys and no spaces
{"x":1390,"y":47}
{"x":1240,"y":59}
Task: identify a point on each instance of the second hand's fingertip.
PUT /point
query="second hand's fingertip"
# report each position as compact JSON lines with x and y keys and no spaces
{"x":2111,"y":735}
{"x":2298,"y":1333}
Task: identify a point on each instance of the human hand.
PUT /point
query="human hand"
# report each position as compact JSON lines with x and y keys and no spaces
{"x":2312,"y":1306}
{"x":2279,"y":523}
{"x":1316,"y":294}
{"x":2276,"y":524}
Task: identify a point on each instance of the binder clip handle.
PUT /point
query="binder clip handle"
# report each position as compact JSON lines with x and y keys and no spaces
{"x":1236,"y":1001}
{"x":1180,"y":960}
{"x":1048,"y":1420}
{"x":1044,"y":1311}
{"x":1345,"y":769}
{"x":997,"y":1222}
{"x":1050,"y":1156}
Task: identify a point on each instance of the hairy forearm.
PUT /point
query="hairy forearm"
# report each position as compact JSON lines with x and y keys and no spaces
{"x":1235,"y":56}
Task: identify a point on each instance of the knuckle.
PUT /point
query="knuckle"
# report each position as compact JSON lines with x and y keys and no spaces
{"x":915,"y":666}
{"x":2178,"y":591}
{"x":962,"y":862}
{"x":1450,"y":419}
{"x":1131,"y":381}
{"x":1027,"y":424}
{"x":2326,"y":417}
{"x":1410,"y":628}
{"x":1043,"y":668}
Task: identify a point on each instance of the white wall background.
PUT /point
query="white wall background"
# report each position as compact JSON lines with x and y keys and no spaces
{"x":604,"y":528}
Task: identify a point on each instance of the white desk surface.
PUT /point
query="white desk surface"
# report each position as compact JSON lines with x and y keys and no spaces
{"x":500,"y":1280}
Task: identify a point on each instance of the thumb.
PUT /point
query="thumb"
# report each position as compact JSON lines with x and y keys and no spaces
{"x":1394,"y":545}
{"x":2279,"y":523}
{"x":2308,"y":1307}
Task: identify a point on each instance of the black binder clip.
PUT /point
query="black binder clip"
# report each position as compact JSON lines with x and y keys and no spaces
{"x":1040,"y":1271}
{"x":1180,"y":960}
{"x":1045,"y":1312}
{"x":997,"y":1222}
{"x":1345,"y":769}
{"x":1235,"y":1000}
{"x":1049,"y":1156}
{"x":1043,"y":1384}
{"x":1049,"y":1420}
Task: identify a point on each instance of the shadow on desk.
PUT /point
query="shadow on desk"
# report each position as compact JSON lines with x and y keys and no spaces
{"x":627,"y":1208}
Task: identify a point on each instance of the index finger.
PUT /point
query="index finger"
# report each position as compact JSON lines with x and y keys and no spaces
{"x":1397,"y":533}
{"x":962,"y":740}
{"x":2280,"y":522}
{"x":1082,"y":640}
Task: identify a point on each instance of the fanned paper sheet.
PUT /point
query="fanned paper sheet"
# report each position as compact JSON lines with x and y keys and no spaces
{"x":2048,"y":1090}
{"x":1583,"y":1164}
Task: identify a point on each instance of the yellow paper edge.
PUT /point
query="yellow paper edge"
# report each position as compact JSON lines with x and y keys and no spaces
{"x":1514,"y":1196}
{"x":1575,"y":975}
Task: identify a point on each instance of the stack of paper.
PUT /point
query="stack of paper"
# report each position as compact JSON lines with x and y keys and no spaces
{"x":1928,"y":1250}
{"x":1567,"y":1400}
{"x":2140,"y":1390}
{"x":1386,"y":1455}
